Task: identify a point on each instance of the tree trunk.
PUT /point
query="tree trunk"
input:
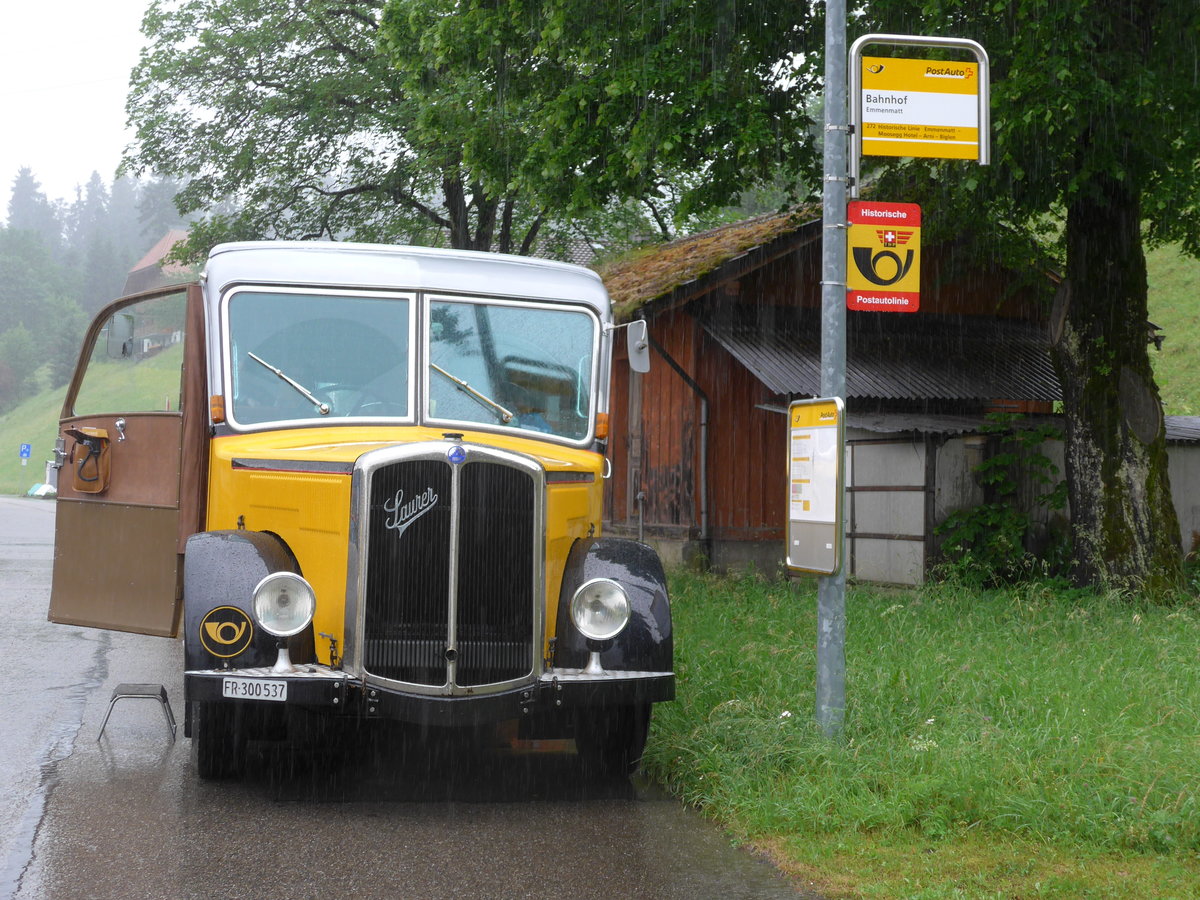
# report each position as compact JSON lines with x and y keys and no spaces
{"x":1125,"y":529}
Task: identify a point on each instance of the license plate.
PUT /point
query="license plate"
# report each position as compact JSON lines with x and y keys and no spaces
{"x":253,"y":689}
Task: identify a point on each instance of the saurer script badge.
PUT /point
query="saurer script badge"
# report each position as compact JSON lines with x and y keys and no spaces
{"x":401,"y":514}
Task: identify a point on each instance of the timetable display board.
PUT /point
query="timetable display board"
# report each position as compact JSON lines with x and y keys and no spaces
{"x":816,"y":453}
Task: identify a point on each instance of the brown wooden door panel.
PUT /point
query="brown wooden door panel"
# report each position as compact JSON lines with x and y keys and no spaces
{"x":115,"y":567}
{"x":143,"y":468}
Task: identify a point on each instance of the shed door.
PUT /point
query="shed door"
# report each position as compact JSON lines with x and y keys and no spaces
{"x":134,"y":435}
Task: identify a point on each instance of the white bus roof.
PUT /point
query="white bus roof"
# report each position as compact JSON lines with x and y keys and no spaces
{"x":396,"y":267}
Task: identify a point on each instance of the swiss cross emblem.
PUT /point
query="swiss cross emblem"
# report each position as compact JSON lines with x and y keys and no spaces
{"x":893,"y":238}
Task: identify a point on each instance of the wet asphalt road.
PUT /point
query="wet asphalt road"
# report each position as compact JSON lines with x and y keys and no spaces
{"x":125,"y":817}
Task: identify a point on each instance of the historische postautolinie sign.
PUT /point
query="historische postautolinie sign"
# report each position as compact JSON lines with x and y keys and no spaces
{"x":883,"y":257}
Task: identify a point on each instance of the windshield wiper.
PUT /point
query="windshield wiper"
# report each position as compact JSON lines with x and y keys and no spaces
{"x":322,"y":408}
{"x":505,"y":415}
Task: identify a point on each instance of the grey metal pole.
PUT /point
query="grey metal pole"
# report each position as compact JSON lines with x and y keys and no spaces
{"x":831,"y":589}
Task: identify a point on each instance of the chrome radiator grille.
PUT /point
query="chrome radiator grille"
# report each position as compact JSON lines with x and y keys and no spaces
{"x":449,"y":594}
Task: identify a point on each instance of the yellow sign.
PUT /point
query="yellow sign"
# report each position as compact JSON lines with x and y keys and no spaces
{"x":919,"y":107}
{"x":813,"y":414}
{"x":816,"y":447}
{"x":883,"y":257}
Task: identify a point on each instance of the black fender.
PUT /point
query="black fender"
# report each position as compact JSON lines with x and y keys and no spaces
{"x":646,"y":643}
{"x":220,"y":571}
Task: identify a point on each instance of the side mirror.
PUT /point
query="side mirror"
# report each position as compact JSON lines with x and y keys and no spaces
{"x":120,"y":336}
{"x":638,"y":337}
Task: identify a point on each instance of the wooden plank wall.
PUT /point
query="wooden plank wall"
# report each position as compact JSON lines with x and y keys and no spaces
{"x":656,"y":449}
{"x":747,"y":451}
{"x":670,"y":417}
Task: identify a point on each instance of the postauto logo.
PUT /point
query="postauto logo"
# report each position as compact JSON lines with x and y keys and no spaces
{"x":226,"y":631}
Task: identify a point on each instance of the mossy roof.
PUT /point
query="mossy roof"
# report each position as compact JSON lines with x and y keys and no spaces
{"x":653,"y":273}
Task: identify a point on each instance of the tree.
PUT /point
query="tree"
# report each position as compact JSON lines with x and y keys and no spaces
{"x":28,"y":276}
{"x":60,"y":344}
{"x":18,"y":363}
{"x":29,"y":210}
{"x":154,"y":202}
{"x":291,"y":111}
{"x":90,"y":257}
{"x":1096,"y":139}
{"x":480,"y":126}
{"x":678,"y":104}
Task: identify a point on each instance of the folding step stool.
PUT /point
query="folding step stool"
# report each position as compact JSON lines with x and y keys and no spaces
{"x":145,"y":691}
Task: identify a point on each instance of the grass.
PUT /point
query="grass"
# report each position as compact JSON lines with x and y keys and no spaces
{"x":33,"y":422}
{"x":1175,"y":307}
{"x":1029,"y":742}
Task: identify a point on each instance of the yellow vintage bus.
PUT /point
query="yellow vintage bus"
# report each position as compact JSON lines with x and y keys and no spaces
{"x":364,"y":482}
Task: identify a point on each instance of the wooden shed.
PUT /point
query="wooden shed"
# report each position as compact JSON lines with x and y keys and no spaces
{"x":734,"y":318}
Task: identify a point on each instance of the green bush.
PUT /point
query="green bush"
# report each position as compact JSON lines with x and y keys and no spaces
{"x":989,"y":544}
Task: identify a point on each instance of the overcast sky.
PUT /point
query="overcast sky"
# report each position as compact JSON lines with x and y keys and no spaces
{"x":64,"y":71}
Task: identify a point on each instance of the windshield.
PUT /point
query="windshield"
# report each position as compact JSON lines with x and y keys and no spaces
{"x":318,"y":356}
{"x":508,"y":365}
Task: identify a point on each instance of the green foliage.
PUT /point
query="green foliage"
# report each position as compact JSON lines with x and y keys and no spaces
{"x":30,"y":211}
{"x":988,"y":544}
{"x":631,"y":100}
{"x":1079,"y":90}
{"x":18,"y":362}
{"x":1027,"y":714}
{"x":293,"y":119}
{"x":476,"y":125}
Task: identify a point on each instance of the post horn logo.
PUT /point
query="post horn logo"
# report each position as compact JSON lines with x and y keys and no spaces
{"x":868,"y":263}
{"x":226,"y":631}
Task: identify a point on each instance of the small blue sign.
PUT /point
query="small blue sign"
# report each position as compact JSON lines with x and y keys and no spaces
{"x":26,"y":451}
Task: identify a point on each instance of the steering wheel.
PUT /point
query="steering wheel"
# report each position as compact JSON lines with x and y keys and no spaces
{"x":353,"y":400}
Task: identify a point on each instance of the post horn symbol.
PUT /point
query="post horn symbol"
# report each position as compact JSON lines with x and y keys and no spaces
{"x":866,"y":264}
{"x":226,"y":631}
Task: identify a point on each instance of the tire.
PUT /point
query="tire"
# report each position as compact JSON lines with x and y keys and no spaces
{"x":218,"y":741}
{"x":610,"y":740}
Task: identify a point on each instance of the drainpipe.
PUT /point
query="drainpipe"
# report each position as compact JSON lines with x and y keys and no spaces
{"x":703,"y":397}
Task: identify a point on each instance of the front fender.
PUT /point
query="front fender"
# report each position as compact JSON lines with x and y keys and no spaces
{"x":646,"y":643}
{"x":220,"y":572}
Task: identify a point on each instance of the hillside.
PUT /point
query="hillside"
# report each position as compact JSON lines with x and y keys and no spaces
{"x":34,"y":422}
{"x":1175,"y":308}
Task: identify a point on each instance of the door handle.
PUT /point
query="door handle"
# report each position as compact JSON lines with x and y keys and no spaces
{"x":120,"y":426}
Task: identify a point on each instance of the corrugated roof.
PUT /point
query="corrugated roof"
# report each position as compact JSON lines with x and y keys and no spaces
{"x":1180,"y":429}
{"x":935,"y":423}
{"x":891,"y":355}
{"x":924,"y":423}
{"x":1183,"y":429}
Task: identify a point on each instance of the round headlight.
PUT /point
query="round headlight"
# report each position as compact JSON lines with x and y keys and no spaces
{"x":600,"y":609}
{"x":284,"y":604}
